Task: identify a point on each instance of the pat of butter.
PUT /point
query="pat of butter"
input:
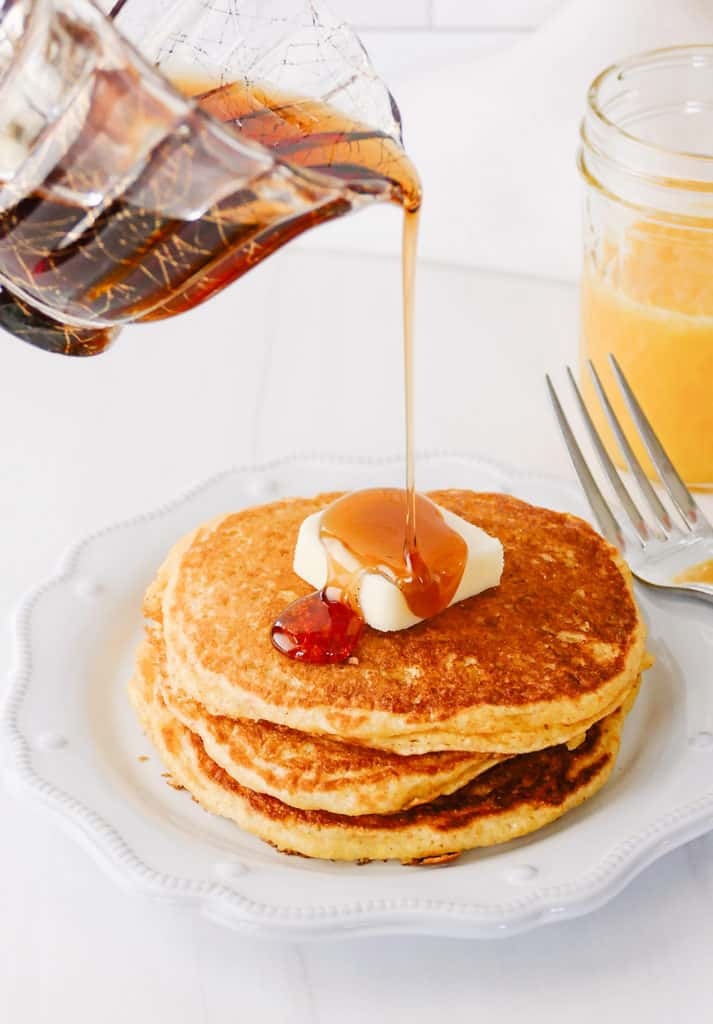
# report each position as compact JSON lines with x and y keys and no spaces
{"x":382,"y":604}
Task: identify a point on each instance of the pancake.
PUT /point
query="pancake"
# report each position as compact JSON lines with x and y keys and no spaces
{"x":531,"y":663}
{"x":511,"y":799}
{"x":313,"y":772}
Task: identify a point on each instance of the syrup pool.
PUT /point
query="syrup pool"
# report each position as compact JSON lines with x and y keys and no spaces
{"x":318,"y":628}
{"x":367,"y":532}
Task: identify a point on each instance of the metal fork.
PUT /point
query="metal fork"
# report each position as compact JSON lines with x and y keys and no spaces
{"x":661,"y":544}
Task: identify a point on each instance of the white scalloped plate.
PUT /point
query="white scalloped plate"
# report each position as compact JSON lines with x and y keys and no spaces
{"x":73,"y":746}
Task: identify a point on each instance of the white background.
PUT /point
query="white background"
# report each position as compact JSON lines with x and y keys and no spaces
{"x":402,"y":35}
{"x":303,"y":354}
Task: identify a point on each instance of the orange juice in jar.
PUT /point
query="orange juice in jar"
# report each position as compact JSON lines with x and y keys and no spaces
{"x":647,"y":279}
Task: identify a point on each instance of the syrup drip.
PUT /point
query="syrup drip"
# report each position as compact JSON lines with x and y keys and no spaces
{"x":701,"y":573}
{"x":367,"y":528}
{"x":370,"y":525}
{"x":319,"y":628}
{"x":398,"y":532}
{"x":408,"y":278}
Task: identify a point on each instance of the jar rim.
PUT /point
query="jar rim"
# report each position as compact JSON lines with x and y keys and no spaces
{"x":633,"y":107}
{"x":695,"y":55}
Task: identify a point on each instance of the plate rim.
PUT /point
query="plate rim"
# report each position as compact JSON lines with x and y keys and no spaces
{"x":405,"y":915}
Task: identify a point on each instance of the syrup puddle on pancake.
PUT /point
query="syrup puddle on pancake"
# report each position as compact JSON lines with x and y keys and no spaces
{"x":363,"y":532}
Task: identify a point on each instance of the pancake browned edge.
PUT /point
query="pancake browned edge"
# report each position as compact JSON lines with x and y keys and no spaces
{"x":313,"y":772}
{"x":530,"y":663}
{"x":512,"y":799}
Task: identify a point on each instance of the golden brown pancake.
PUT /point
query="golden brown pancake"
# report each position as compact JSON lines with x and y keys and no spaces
{"x":513,"y":798}
{"x":313,"y":772}
{"x":532,"y":662}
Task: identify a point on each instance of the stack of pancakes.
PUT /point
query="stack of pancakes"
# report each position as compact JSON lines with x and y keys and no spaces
{"x":484,"y":723}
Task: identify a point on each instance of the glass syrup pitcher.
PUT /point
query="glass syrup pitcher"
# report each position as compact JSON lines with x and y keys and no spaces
{"x":151,"y":155}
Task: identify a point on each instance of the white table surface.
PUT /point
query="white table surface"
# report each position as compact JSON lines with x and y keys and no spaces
{"x":302,"y":355}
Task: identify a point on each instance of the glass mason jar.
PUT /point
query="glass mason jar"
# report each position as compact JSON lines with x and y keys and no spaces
{"x":646,"y":158}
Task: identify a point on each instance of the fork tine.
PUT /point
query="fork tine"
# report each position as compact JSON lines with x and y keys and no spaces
{"x":602,"y":513}
{"x":635,"y":517}
{"x":647,"y":491}
{"x":678,"y":492}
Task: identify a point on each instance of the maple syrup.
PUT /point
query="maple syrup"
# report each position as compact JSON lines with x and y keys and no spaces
{"x":409,"y":246}
{"x":398,"y":533}
{"x":372,"y":525}
{"x":129,"y":262}
{"x":320,"y":628}
{"x":700,"y":573}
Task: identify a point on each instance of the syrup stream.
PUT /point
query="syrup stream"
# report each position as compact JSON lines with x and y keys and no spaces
{"x":326,"y":626}
{"x":408,"y":274}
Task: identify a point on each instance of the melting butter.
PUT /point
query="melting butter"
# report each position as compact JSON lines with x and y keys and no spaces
{"x":322,"y":559}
